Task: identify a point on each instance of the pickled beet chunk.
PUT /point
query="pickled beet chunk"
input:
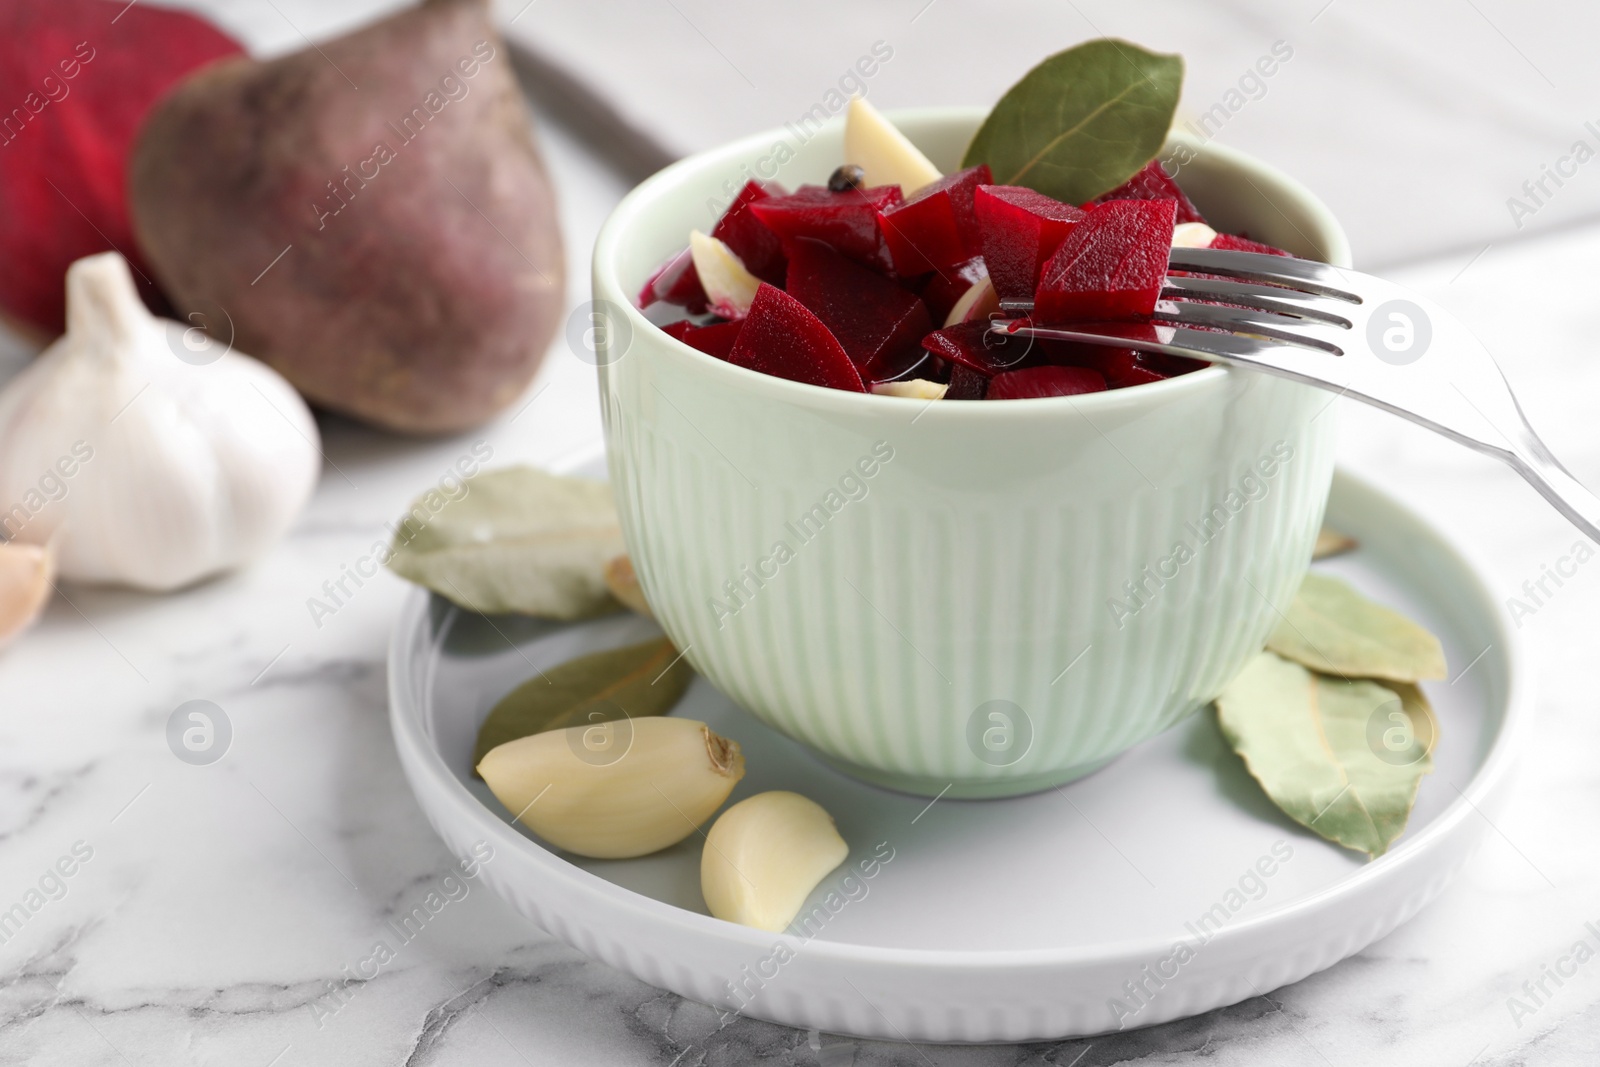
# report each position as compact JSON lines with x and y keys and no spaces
{"x":1153,"y":183}
{"x":966,"y":384}
{"x":1171,"y":366}
{"x":972,"y":345}
{"x":1228,"y":242}
{"x":1111,"y":266}
{"x":1032,"y":382}
{"x":741,"y":230}
{"x":879,"y":324}
{"x":675,"y":282}
{"x":851,"y":221}
{"x":1121,"y":367}
{"x":714,"y":340}
{"x":780,"y":337}
{"x":1020,"y":230}
{"x":942,"y":289}
{"x":1113,"y":364}
{"x":937,"y":227}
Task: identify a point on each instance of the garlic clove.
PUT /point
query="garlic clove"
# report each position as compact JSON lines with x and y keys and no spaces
{"x":886,"y":155}
{"x":765,"y":855}
{"x":913,"y":389}
{"x":729,"y":286}
{"x":27,"y":574}
{"x":1192,"y":235}
{"x":624,"y":585}
{"x":979,"y":302}
{"x":617,"y":789}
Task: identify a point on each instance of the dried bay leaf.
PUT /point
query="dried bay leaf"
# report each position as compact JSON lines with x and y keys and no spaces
{"x":518,"y":540}
{"x":1334,"y":629}
{"x":1082,"y":122}
{"x":637,"y":681}
{"x":1269,"y":715}
{"x":1325,"y":750}
{"x":1356,"y":716}
{"x":1331,"y":542}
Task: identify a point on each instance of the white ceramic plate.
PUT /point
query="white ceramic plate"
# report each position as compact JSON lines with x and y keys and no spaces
{"x":1046,"y":916}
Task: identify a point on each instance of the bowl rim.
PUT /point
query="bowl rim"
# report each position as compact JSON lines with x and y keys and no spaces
{"x":609,"y":290}
{"x":425,"y":769}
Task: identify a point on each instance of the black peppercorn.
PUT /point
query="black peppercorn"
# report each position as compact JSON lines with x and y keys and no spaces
{"x":847,"y":178}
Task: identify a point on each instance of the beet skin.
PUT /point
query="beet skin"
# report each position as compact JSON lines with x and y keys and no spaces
{"x":370,"y":217}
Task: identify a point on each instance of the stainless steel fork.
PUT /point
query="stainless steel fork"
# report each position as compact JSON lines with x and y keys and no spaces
{"x":1349,"y":333}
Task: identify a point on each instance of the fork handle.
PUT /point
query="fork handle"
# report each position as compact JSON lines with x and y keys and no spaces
{"x":1546,"y":474}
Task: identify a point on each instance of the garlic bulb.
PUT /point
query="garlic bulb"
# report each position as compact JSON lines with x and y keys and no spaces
{"x":143,"y":468}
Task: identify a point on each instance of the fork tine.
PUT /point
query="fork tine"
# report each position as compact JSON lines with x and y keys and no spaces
{"x":1314,"y":366}
{"x":1260,"y":297}
{"x":1279,"y":270}
{"x":1295,"y":331}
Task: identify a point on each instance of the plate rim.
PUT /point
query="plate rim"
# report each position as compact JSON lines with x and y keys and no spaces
{"x":1491,"y":776}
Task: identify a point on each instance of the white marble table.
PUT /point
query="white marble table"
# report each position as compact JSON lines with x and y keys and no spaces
{"x":217,"y":905}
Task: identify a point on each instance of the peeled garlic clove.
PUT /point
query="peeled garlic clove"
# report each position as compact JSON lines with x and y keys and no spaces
{"x":886,"y":155}
{"x":729,"y":286}
{"x":26,"y":574}
{"x":765,"y":855}
{"x":980,"y":301}
{"x":1192,"y":235}
{"x":913,"y":389}
{"x":624,"y":585}
{"x":617,"y":789}
{"x":1331,"y":542}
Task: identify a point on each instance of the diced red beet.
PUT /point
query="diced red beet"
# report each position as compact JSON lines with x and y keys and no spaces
{"x":714,"y":340}
{"x":740,"y":229}
{"x":879,"y":324}
{"x":1112,"y":363}
{"x":1020,"y":230}
{"x":851,"y":221}
{"x":1033,"y":382}
{"x":1171,"y":366}
{"x":1111,"y":266}
{"x":937,"y":227}
{"x":77,"y":78}
{"x":972,"y":345}
{"x":1136,"y":373}
{"x":966,"y":384}
{"x":1228,"y":242}
{"x":782,"y":338}
{"x":675,"y":282}
{"x":1121,"y":367}
{"x":1153,"y":183}
{"x":941,"y":290}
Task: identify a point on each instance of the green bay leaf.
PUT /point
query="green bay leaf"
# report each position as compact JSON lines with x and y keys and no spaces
{"x":516,"y":540}
{"x":1269,"y":715}
{"x":1334,"y":629}
{"x":1082,"y":122}
{"x":1359,"y":718}
{"x":1341,"y":758}
{"x":637,"y":681}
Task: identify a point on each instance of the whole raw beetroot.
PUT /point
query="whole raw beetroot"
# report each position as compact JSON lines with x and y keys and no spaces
{"x":77,"y":77}
{"x":371,"y":217}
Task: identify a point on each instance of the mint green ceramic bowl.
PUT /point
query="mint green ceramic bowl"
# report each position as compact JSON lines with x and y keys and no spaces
{"x":975,"y":599}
